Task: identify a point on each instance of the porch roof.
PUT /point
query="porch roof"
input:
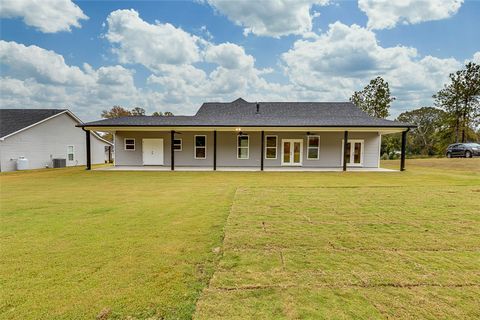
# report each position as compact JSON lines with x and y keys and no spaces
{"x":241,"y":113}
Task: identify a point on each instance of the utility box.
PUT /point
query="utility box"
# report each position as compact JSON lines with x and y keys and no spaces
{"x":22,"y":163}
{"x":59,"y":163}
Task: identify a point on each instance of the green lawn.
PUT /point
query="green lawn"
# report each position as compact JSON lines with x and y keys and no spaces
{"x":77,"y":244}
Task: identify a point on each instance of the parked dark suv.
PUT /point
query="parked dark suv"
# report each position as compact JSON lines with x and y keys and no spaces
{"x":466,"y":150}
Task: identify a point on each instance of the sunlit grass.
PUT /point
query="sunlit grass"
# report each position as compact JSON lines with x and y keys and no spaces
{"x":77,"y":244}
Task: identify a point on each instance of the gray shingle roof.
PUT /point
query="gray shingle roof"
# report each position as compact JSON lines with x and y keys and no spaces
{"x":270,"y":114}
{"x":12,"y":120}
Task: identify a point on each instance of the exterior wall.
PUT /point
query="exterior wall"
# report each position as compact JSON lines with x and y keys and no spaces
{"x":48,"y":140}
{"x":371,"y":148}
{"x":330,"y":149}
{"x":97,"y":149}
{"x":182,"y":158}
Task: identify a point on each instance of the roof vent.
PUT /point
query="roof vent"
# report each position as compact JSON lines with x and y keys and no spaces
{"x":258,"y":108}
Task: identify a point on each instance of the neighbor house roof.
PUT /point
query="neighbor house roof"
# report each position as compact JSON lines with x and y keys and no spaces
{"x":261,"y":114}
{"x":13,"y":121}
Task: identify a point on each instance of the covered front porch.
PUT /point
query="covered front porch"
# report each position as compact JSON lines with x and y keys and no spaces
{"x":248,"y":149}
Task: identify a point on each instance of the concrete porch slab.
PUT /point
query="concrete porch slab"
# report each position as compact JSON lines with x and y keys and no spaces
{"x":251,"y":169}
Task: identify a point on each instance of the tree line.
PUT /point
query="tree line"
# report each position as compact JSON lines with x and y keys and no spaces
{"x":118,"y":111}
{"x":454,"y":117}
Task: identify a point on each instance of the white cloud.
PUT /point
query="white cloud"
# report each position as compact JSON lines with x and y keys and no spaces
{"x":173,"y":56}
{"x":37,"y":78}
{"x":476,"y":57}
{"x":386,"y":14}
{"x":48,"y":16}
{"x":229,"y":56}
{"x":345,"y":58}
{"x":152,"y":45}
{"x":46,"y":66}
{"x":273,"y":18}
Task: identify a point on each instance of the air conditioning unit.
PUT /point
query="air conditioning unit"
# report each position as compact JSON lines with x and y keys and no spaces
{"x":59,"y":163}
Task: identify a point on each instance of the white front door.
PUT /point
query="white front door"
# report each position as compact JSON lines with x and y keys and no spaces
{"x":354,"y":152}
{"x":152,"y":150}
{"x":292,"y":152}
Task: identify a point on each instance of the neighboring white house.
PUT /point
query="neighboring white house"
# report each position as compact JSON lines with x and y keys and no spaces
{"x":41,"y":135}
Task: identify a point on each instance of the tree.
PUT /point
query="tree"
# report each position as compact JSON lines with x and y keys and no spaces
{"x":137,"y":111}
{"x":162,"y":114}
{"x":426,"y":137}
{"x":115,"y":112}
{"x":374,"y":99}
{"x":461,"y":100}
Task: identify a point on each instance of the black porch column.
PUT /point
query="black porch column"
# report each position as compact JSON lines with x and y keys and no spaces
{"x":404,"y":145}
{"x":214,"y":149}
{"x":263,"y":150}
{"x":172,"y":150}
{"x":89,"y":155}
{"x":345,"y":141}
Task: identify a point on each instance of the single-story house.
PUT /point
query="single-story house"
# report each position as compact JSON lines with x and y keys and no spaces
{"x":37,"y":136}
{"x":263,"y":135}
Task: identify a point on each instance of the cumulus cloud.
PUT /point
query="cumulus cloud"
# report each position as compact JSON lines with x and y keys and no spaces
{"x":273,"y":18}
{"x":385,"y":14}
{"x":48,"y":16}
{"x":345,"y":58}
{"x":45,"y":66}
{"x":40,"y":78}
{"x":476,"y":57}
{"x":229,"y":56}
{"x":173,"y":56}
{"x":153,"y":45}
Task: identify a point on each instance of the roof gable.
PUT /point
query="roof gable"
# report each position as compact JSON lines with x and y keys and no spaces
{"x":13,"y":120}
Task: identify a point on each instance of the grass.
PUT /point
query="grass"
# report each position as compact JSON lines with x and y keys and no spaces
{"x":239,"y":245}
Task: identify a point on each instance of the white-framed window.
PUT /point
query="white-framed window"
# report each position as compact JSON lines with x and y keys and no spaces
{"x":313,"y":147}
{"x":243,"y":142}
{"x":70,"y":153}
{"x":177,"y":144}
{"x":200,"y":147}
{"x":129,"y":144}
{"x":271,"y":147}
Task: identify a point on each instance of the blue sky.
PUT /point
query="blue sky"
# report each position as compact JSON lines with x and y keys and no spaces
{"x":174,"y":55}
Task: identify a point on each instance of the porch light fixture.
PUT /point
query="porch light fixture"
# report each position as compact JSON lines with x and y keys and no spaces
{"x":238,"y":129}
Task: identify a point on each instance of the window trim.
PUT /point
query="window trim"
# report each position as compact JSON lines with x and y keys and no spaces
{"x":125,"y":144}
{"x":276,"y":147}
{"x":247,"y":147}
{"x":73,"y":152}
{"x":309,"y":147}
{"x":195,"y":146}
{"x":181,"y":144}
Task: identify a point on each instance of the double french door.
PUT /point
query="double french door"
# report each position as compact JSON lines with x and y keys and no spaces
{"x":354,"y":152}
{"x":292,"y":152}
